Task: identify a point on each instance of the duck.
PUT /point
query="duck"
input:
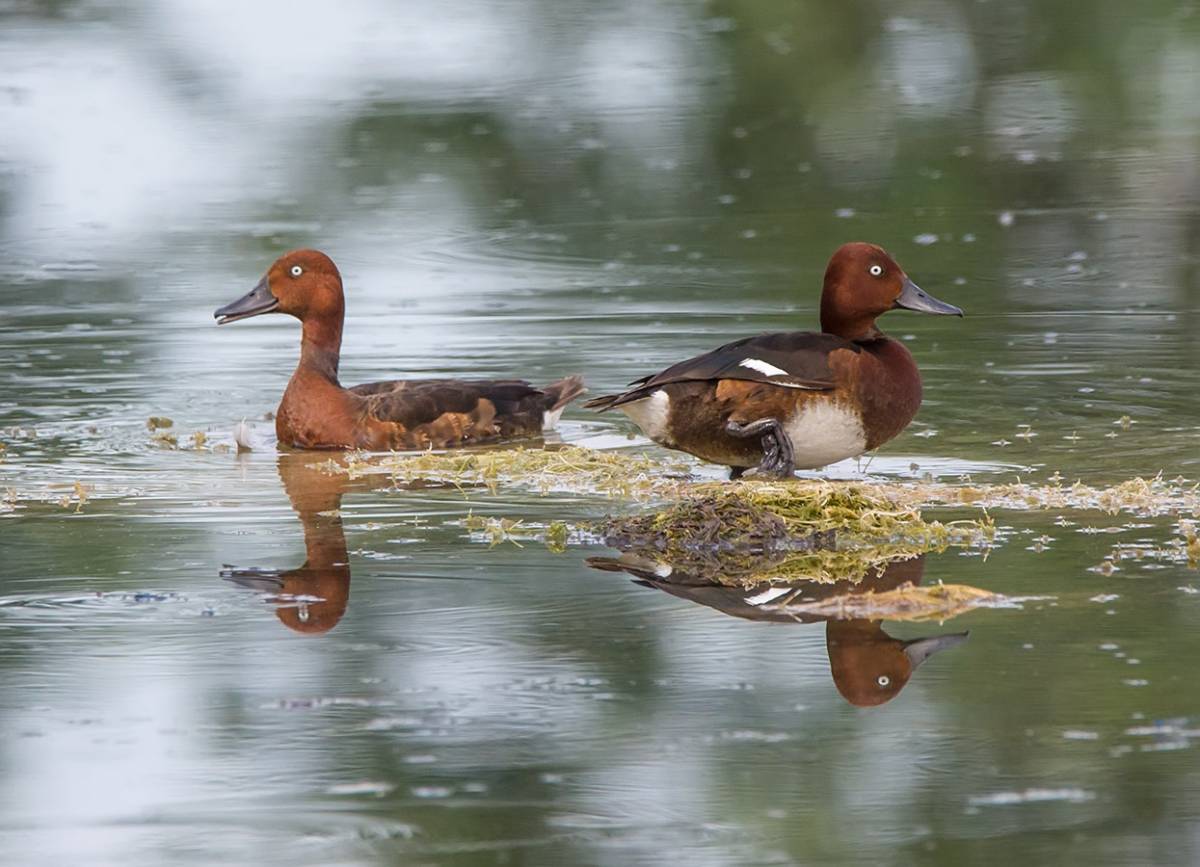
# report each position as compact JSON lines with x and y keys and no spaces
{"x":771,"y":404}
{"x":317,"y":412}
{"x":868,"y":665}
{"x":312,"y":598}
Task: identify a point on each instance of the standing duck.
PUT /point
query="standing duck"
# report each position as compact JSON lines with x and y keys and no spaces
{"x":798,"y":399}
{"x":316,"y":412}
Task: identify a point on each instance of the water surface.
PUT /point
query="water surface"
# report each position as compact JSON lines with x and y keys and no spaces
{"x":202,"y":661}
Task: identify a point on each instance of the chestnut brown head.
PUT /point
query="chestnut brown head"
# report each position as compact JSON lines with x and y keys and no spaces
{"x":303,"y":283}
{"x":869,"y":667}
{"x":862,"y":282}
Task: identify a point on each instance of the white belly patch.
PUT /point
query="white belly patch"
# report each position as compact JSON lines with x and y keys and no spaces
{"x":650,"y":414}
{"x":825,"y":433}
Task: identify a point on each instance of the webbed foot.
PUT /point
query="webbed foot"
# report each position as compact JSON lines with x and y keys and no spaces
{"x":778,"y":461}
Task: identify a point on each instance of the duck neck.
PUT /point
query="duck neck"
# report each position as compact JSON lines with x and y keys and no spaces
{"x":842,"y":319}
{"x":321,"y":346}
{"x":860,"y":329}
{"x":324,"y":540}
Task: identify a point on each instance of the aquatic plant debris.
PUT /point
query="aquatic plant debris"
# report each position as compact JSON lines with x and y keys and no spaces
{"x":910,"y":602}
{"x":748,"y":534}
{"x":620,"y":475}
{"x":496,"y":531}
{"x":566,"y":469}
{"x":1152,"y":497}
{"x":754,"y":531}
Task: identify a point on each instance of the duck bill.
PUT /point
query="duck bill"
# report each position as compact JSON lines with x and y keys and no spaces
{"x":913,"y":297}
{"x":257,"y":301}
{"x":921,"y":649}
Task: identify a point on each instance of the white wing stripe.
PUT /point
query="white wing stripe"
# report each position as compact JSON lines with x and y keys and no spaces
{"x":762,"y":367}
{"x":768,"y":595}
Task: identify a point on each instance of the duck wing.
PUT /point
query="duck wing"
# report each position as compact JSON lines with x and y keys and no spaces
{"x":495,"y":408}
{"x":415,"y":402}
{"x":793,"y":359}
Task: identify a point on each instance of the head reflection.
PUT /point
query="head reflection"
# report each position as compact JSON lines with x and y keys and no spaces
{"x":312,"y":597}
{"x":868,"y":665}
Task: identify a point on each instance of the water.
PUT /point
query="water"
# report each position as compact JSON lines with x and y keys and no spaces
{"x":544,"y":189}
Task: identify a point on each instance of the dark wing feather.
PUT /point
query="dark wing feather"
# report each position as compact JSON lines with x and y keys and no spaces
{"x":794,"y":359}
{"x":421,"y":401}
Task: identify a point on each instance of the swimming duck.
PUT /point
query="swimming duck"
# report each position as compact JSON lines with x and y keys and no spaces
{"x":316,"y":412}
{"x":799,"y":399}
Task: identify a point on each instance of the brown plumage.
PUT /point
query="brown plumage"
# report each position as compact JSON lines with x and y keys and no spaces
{"x":313,"y":596}
{"x":317,"y":412}
{"x":796,"y":399}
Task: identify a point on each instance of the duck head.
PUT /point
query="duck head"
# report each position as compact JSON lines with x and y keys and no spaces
{"x":303,"y":283}
{"x":862,"y":282}
{"x":869,"y":667}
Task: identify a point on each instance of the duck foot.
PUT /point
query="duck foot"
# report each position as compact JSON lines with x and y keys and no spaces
{"x":778,"y":461}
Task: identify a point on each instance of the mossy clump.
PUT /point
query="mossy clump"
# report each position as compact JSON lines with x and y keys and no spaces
{"x":913,"y":602}
{"x":823,"y":506}
{"x":714,"y":523}
{"x":564,"y":469}
{"x":755,"y":532}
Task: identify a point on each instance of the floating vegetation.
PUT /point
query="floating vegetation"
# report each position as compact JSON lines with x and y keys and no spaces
{"x":911,"y":602}
{"x":1183,"y":550}
{"x":566,"y":469}
{"x":159,"y":422}
{"x":496,"y":531}
{"x":574,"y":469}
{"x":750,"y":533}
{"x":1191,"y":542}
{"x":1138,"y":496}
{"x":78,"y":496}
{"x":165,"y":439}
{"x":755,"y":531}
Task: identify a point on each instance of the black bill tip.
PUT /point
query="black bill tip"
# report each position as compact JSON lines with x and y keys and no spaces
{"x":913,"y":297}
{"x":257,"y":301}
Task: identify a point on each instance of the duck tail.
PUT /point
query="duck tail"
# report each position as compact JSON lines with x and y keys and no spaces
{"x":558,"y":395}
{"x":602,"y":403}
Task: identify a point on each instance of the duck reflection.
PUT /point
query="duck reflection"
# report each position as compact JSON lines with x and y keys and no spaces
{"x":312,"y":597}
{"x":868,"y":665}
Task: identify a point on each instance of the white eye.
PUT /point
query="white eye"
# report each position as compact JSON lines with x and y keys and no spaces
{"x":297,"y":270}
{"x":876,"y":270}
{"x":883,"y":679}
